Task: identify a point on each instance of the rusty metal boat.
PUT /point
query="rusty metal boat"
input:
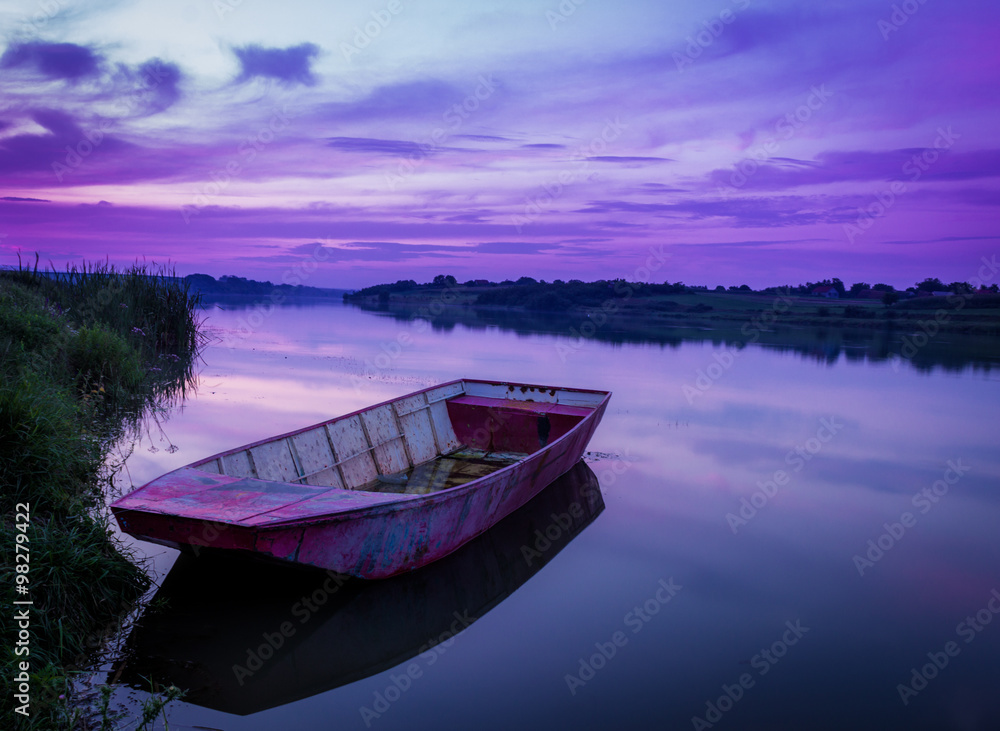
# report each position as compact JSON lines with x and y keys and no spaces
{"x":380,"y":491}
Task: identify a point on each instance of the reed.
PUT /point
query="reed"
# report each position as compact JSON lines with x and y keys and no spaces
{"x":86,"y":356}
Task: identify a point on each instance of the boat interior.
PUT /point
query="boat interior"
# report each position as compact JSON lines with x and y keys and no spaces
{"x":426,"y":442}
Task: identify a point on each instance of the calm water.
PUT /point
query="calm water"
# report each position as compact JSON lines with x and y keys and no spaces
{"x":720,"y":574}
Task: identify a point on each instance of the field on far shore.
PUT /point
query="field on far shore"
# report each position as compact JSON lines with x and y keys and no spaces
{"x":973,"y":314}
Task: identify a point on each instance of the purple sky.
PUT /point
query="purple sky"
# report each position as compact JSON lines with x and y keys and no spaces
{"x":730,"y":142}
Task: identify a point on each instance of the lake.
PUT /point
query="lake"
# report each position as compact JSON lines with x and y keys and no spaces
{"x":775,"y":536}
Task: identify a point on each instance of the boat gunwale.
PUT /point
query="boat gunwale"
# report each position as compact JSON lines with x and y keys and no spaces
{"x":423,"y":498}
{"x":381,"y":506}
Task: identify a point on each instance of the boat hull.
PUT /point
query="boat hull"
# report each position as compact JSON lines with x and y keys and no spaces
{"x":365,"y":534}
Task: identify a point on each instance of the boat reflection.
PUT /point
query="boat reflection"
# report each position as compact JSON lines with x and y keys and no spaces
{"x":245,"y":636}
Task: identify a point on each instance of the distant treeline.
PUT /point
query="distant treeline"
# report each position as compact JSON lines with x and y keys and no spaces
{"x":532,"y":294}
{"x":525,"y":292}
{"x":229,"y":285}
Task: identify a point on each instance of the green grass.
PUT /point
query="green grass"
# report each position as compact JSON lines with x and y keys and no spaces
{"x":85,"y":357}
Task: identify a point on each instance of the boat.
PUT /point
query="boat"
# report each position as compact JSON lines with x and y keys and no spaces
{"x":377,"y":492}
{"x":204,"y":629}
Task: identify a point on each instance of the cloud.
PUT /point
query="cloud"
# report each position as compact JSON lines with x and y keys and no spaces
{"x":219,"y":231}
{"x":355,"y":251}
{"x":483,"y":138}
{"x":58,"y":123}
{"x":629,"y":159}
{"x":510,"y":248}
{"x":401,"y":148}
{"x":648,"y":188}
{"x":158,"y":84}
{"x":382,"y":251}
{"x":908,"y":165}
{"x":16,"y":199}
{"x":742,"y":212}
{"x":545,"y":146}
{"x":406,"y":100}
{"x":289,"y":65}
{"x":752,"y":243}
{"x":941,"y":240}
{"x":471,"y":217}
{"x":26,"y":153}
{"x":67,"y":61}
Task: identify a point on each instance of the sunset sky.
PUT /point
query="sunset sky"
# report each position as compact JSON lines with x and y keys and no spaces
{"x":733,"y":141}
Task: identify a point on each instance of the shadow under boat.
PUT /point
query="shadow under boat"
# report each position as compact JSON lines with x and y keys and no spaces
{"x":244,"y":636}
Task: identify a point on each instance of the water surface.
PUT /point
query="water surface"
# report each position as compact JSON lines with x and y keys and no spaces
{"x":785,"y":540}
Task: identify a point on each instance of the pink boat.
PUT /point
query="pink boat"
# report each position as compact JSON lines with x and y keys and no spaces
{"x":380,"y":491}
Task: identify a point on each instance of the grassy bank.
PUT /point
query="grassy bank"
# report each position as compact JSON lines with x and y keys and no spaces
{"x":84,"y":357}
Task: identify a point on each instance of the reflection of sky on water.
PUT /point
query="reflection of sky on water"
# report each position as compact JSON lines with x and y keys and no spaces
{"x":691,"y":463}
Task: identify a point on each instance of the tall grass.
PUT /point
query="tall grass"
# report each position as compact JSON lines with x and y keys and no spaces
{"x":148,"y":301}
{"x":85,"y":356}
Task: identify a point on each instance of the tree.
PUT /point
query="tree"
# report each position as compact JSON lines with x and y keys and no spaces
{"x":859,"y":287}
{"x":890,"y":298}
{"x":838,"y":285}
{"x":880,"y":287}
{"x":931,"y":284}
{"x":720,"y":288}
{"x":445,"y":280}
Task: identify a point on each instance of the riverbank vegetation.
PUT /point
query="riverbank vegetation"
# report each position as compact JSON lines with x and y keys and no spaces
{"x":958,"y":307}
{"x":86,"y":355}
